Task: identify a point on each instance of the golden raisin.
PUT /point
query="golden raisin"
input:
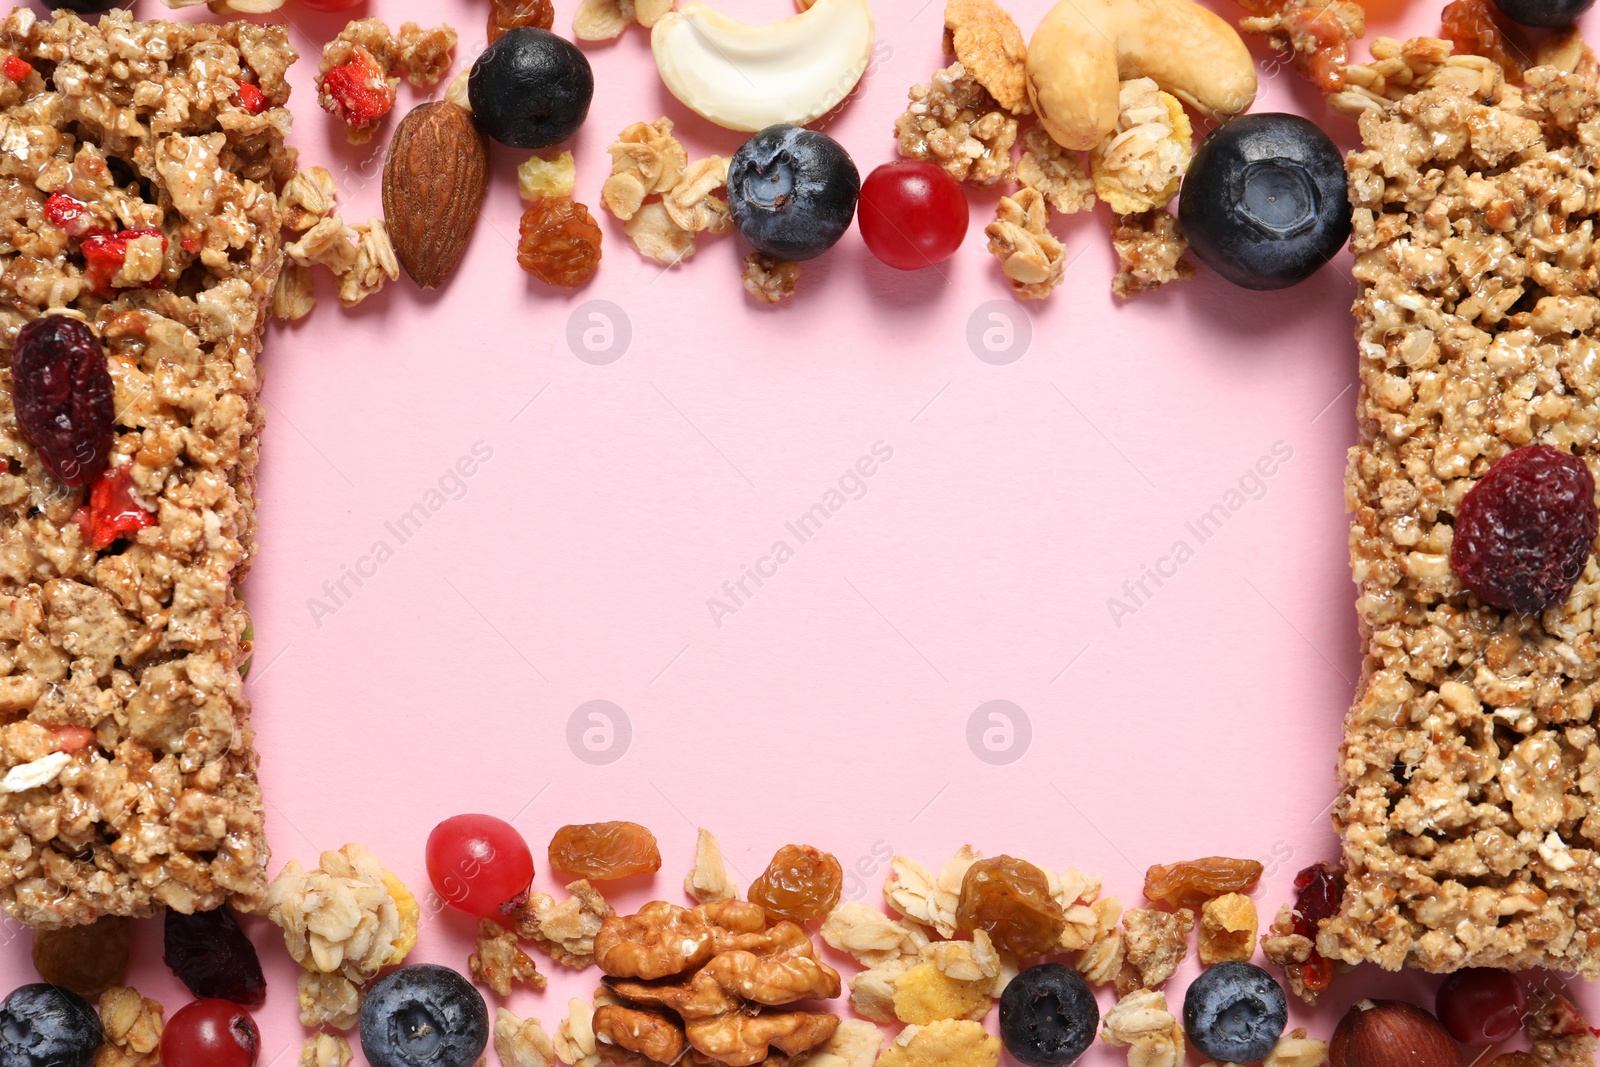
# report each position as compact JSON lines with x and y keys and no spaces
{"x":1009,"y":899}
{"x":601,"y":851}
{"x":1472,"y":27}
{"x":800,"y":884}
{"x":560,"y":242}
{"x":510,"y":14}
{"x":85,"y":959}
{"x":1191,"y":883}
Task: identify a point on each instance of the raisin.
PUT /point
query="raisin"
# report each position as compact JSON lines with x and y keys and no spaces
{"x":1190,"y":883}
{"x":1472,"y":26}
{"x":210,"y":953}
{"x":62,"y":392}
{"x":800,"y":884}
{"x":560,"y":242}
{"x":1525,"y":531}
{"x":510,"y":14}
{"x":85,"y":959}
{"x":600,"y":851}
{"x":1009,"y":899}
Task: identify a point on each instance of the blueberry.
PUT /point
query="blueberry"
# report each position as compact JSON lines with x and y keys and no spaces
{"x":531,"y":89}
{"x":792,"y":192}
{"x":1546,"y":14}
{"x":1264,"y":203}
{"x":47,"y":1026}
{"x":1048,"y":1016}
{"x":423,"y":1016}
{"x":1235,"y":1013}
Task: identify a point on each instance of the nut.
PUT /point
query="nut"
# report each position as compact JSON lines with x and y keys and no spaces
{"x":749,"y":77}
{"x":1074,"y":57}
{"x":1391,"y":1033}
{"x":434,"y":183}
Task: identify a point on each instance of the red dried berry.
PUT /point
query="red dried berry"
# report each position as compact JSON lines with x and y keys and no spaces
{"x":16,"y":68}
{"x":357,"y":91}
{"x":1319,"y":890}
{"x":68,"y":213}
{"x":112,"y":512}
{"x":251,"y":98}
{"x":105,"y":253}
{"x":62,"y":392}
{"x":1525,"y":531}
{"x":210,"y":954}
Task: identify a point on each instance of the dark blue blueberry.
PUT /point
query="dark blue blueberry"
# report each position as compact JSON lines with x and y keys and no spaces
{"x":792,"y":192}
{"x":1048,"y":1016}
{"x":47,"y":1026}
{"x":1265,"y":201}
{"x":423,"y":1016}
{"x":1546,"y":14}
{"x":1235,"y":1013}
{"x":531,"y":88}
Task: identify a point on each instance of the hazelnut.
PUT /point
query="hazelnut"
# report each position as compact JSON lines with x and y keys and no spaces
{"x":1391,"y":1033}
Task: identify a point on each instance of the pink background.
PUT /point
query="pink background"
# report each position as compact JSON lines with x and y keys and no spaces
{"x":833,"y":706}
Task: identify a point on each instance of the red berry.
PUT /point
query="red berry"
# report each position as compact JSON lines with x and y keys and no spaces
{"x":210,"y":1033}
{"x":68,"y":213}
{"x":1525,"y":531}
{"x":479,"y":864}
{"x":912,"y":214}
{"x":71,"y":738}
{"x":1482,"y":1007}
{"x":16,"y":68}
{"x":104,"y":253}
{"x":251,"y":98}
{"x":62,"y":391}
{"x":357,"y":91}
{"x":112,"y":512}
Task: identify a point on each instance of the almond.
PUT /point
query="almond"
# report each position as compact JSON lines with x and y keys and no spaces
{"x":434,"y":182}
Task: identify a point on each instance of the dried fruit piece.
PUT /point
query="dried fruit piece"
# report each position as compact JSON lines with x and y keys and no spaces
{"x":112,"y":512}
{"x":560,"y":242}
{"x":800,"y":884}
{"x":1190,"y":883}
{"x":85,"y":959}
{"x":540,"y":177}
{"x":106,"y":258}
{"x":1009,"y":899}
{"x":509,"y":14}
{"x":62,"y":392}
{"x":601,"y":851}
{"x":210,"y":954}
{"x":69,"y":213}
{"x":358,"y":91}
{"x":1319,"y":891}
{"x":1472,"y":27}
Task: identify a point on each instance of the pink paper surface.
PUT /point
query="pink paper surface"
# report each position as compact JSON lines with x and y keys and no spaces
{"x":1014,"y":493}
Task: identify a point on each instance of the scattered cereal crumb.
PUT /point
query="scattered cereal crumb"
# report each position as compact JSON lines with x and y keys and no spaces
{"x":338,"y":917}
{"x":425,"y":54}
{"x":574,"y":1038}
{"x":1150,"y":249}
{"x":325,"y":1050}
{"x":132,"y":1026}
{"x":869,"y":936}
{"x":375,"y":264}
{"x":657,"y":237}
{"x":854,"y":1044}
{"x":770,"y":280}
{"x":872,"y":990}
{"x":1228,"y":927}
{"x":1295,"y":1049}
{"x":1055,"y":172}
{"x":913,"y":891}
{"x":602,"y":20}
{"x":457,"y":91}
{"x":1142,"y":1023}
{"x":1316,"y":33}
{"x":1157,"y":943}
{"x":1287,"y":949}
{"x":952,"y":1043}
{"x":521,"y":1042}
{"x":540,"y":177}
{"x":499,"y":962}
{"x":1028,"y":252}
{"x":307,"y":198}
{"x":709,"y":881}
{"x":292,"y":298}
{"x":689,"y":202}
{"x":925,"y":994}
{"x":565,"y":931}
{"x":327,"y":999}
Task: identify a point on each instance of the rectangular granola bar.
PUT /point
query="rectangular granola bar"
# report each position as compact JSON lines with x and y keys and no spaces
{"x":143,"y":642}
{"x":1470,"y":772}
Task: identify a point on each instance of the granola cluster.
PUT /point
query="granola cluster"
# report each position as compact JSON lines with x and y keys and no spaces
{"x":661,"y":198}
{"x":141,"y":123}
{"x":360,"y":257}
{"x":1033,"y":258}
{"x":1140,"y":166}
{"x":360,"y":70}
{"x":131,"y":1025}
{"x":954,"y":122}
{"x":1316,"y":34}
{"x":1150,"y":248}
{"x":1470,"y":808}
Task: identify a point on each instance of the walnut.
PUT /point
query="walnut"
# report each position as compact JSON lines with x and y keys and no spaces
{"x":737,"y":1039}
{"x":955,"y":123}
{"x":328,"y":999}
{"x":955,"y":1043}
{"x":499,"y":962}
{"x":1140,"y":164}
{"x":521,"y":1042}
{"x":132,"y":1027}
{"x":1150,"y":249}
{"x":1021,"y":240}
{"x":709,"y":881}
{"x":689,"y":203}
{"x":657,"y":237}
{"x":923,"y":899}
{"x":325,"y":1050}
{"x":539,"y":177}
{"x":1055,"y":172}
{"x":292,"y":297}
{"x":769,"y":280}
{"x":1295,"y":1049}
{"x":1157,"y":943}
{"x":986,"y":41}
{"x":339,"y":917}
{"x":425,"y":54}
{"x":1228,"y":926}
{"x":375,"y":264}
{"x":869,"y":936}
{"x":566,"y":931}
{"x":652,"y":1035}
{"x":1141,"y":1023}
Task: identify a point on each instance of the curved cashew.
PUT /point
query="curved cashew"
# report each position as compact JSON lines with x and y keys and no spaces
{"x":1084,"y":48}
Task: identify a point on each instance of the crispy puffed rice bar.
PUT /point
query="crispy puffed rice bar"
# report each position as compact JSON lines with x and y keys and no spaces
{"x":565,"y":931}
{"x":771,"y":281}
{"x":1140,"y":164}
{"x":499,"y":962}
{"x":1157,"y":942}
{"x":144,"y":644}
{"x":521,"y":1042}
{"x":1400,"y":68}
{"x":1141,"y":1023}
{"x":1470,"y":770}
{"x":986,"y":41}
{"x":709,"y":881}
{"x":325,"y":1050}
{"x":1020,"y":238}
{"x":1150,"y":248}
{"x":132,"y":1027}
{"x":955,"y":123}
{"x":1055,"y":172}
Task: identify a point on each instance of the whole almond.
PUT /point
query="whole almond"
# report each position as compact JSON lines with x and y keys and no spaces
{"x":434,"y":182}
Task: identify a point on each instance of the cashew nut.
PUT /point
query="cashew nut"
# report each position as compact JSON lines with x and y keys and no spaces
{"x":1084,"y":48}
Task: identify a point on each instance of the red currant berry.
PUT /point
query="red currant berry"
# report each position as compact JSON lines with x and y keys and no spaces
{"x":479,"y":864}
{"x":210,"y":1033}
{"x":1482,"y":1007}
{"x":912,"y":214}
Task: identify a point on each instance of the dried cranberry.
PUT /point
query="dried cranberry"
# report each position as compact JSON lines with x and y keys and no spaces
{"x":210,"y":953}
{"x":15,"y":68}
{"x":112,"y":511}
{"x":105,"y":253}
{"x":62,"y":392}
{"x":357,"y":91}
{"x":1318,"y":892}
{"x":1525,"y":531}
{"x":68,"y":213}
{"x":251,"y":98}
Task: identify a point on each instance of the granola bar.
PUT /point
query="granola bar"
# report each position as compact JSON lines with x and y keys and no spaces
{"x":1470,"y":772}
{"x":146,"y":125}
